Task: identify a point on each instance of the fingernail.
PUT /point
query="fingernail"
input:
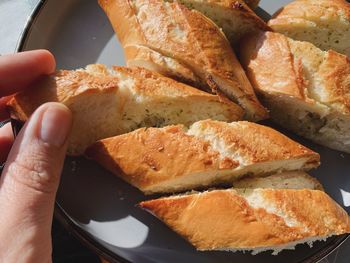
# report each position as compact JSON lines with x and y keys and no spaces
{"x":55,"y":124}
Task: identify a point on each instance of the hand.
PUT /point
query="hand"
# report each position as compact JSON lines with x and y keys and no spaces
{"x":29,"y":181}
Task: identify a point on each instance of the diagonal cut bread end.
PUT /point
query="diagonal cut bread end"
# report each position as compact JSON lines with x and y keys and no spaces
{"x":142,"y":56}
{"x":325,"y":23}
{"x":176,"y":158}
{"x":307,"y":90}
{"x":107,"y":102}
{"x":182,"y":44}
{"x":234,"y":17}
{"x":253,"y":220}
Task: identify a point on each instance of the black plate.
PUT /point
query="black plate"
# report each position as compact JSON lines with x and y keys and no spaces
{"x":98,"y":207}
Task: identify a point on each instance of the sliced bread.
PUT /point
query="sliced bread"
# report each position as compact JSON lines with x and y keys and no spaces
{"x":307,"y":90}
{"x":187,"y":40}
{"x":107,"y":102}
{"x":325,"y":23}
{"x":234,"y":17}
{"x":175,"y":158}
{"x":253,"y":220}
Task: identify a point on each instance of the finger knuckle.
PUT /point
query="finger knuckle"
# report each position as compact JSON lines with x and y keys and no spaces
{"x":33,"y":172}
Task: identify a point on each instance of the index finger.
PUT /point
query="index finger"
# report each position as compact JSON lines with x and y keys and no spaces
{"x":17,"y":71}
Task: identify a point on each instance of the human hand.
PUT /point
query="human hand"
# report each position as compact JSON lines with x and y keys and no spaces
{"x":29,"y":181}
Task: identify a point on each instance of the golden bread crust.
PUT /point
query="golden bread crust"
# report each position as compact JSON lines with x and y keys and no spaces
{"x":244,"y":9}
{"x":226,"y":219}
{"x":190,"y":38}
{"x":284,"y":180}
{"x":275,"y":65}
{"x":257,"y":143}
{"x":234,"y":17}
{"x":173,"y":152}
{"x":64,"y":85}
{"x":281,"y":77}
{"x":324,"y":23}
{"x":58,"y":87}
{"x":107,"y":102}
{"x":143,"y":56}
{"x":336,"y":73}
{"x":152,"y":149}
{"x":311,"y":10}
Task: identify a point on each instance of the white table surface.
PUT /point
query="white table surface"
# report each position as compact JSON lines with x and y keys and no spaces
{"x":14,"y":15}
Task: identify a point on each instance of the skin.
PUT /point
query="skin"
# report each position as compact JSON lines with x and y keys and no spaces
{"x":29,"y":181}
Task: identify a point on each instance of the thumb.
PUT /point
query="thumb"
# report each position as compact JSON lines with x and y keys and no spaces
{"x":31,"y":176}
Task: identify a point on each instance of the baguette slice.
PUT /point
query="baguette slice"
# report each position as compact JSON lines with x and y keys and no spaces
{"x":325,"y":23}
{"x":234,"y":17}
{"x":175,"y":158}
{"x":142,"y":56}
{"x":306,"y":90}
{"x":286,"y":180}
{"x":107,"y":102}
{"x":186,"y":40}
{"x":254,"y":220}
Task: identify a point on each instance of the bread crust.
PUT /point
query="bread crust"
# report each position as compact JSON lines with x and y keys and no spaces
{"x":303,"y":11}
{"x":174,"y":153}
{"x":228,"y":219}
{"x":336,"y":74}
{"x":124,"y":88}
{"x":189,"y":37}
{"x":286,"y":180}
{"x":285,"y":76}
{"x":245,"y":11}
{"x":145,"y":57}
{"x":65,"y":85}
{"x":236,"y":11}
{"x":325,"y":23}
{"x":152,"y":149}
{"x":61,"y":86}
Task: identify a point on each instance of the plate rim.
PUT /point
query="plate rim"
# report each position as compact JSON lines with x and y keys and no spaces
{"x":89,"y":240}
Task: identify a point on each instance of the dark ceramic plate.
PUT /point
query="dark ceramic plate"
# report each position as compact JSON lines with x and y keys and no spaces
{"x":99,"y":208}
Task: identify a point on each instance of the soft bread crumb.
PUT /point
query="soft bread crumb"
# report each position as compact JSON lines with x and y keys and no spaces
{"x":196,"y":46}
{"x":332,"y":130}
{"x":284,"y":180}
{"x":275,"y":250}
{"x":306,"y":89}
{"x":325,"y":23}
{"x":110,"y":101}
{"x":234,"y":17}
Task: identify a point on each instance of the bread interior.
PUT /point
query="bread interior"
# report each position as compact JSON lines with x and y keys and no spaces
{"x":284,"y":180}
{"x":145,"y":57}
{"x":235,"y":21}
{"x":178,"y":68}
{"x":318,"y":117}
{"x":224,"y":177}
{"x":277,"y":249}
{"x":324,"y":34}
{"x":331,"y":129}
{"x":208,"y":75}
{"x":126,"y":110}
